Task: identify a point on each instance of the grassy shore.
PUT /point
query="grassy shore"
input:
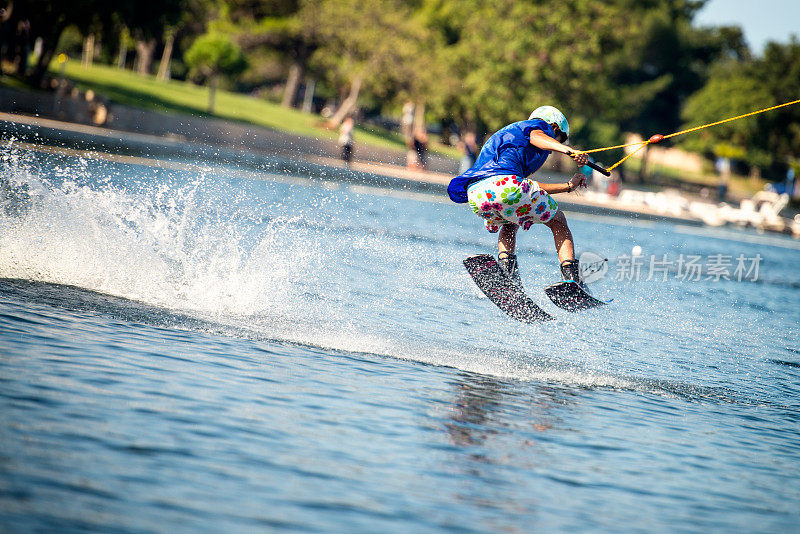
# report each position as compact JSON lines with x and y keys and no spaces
{"x":128,"y":88}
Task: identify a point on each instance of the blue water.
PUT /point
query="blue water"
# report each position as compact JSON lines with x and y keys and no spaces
{"x":209,"y":349}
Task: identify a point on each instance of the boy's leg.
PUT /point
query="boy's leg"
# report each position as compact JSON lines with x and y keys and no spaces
{"x":562,"y":236}
{"x":506,"y":245}
{"x":565,"y":248}
{"x":507,"y":239}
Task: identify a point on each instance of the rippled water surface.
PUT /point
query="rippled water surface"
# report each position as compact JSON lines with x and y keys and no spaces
{"x":215,"y":349}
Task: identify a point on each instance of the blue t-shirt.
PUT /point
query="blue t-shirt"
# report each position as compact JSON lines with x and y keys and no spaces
{"x":508,"y":151}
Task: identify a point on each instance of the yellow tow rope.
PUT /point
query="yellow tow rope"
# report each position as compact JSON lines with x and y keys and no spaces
{"x":658,"y":137}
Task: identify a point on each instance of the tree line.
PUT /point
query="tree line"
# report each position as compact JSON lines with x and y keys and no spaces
{"x":613,"y":66}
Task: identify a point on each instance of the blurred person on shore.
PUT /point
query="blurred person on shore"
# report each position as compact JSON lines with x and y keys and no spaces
{"x":723,"y":166}
{"x":420,"y":144}
{"x":407,"y":121}
{"x":346,"y":139}
{"x":469,"y":152}
{"x":407,"y":129}
{"x":498,"y":190}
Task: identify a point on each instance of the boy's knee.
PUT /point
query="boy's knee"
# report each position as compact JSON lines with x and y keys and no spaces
{"x":508,"y":229}
{"x":559,"y":221}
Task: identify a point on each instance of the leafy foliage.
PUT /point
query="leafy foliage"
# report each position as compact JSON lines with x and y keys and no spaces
{"x":47,"y":20}
{"x":380,"y":42}
{"x":738,"y":87}
{"x":213,"y":54}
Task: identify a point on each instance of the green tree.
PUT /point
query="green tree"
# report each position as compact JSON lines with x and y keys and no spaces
{"x":29,"y":20}
{"x":737,"y":87}
{"x":287,"y":36}
{"x":731,"y":91}
{"x":25,"y":22}
{"x":270,"y":35}
{"x":371,"y":46}
{"x":611,"y":65}
{"x":779,"y":71}
{"x":680,"y":55}
{"x":506,"y":58}
{"x":212,"y":55}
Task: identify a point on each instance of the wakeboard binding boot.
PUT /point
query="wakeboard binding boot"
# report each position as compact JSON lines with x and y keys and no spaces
{"x":508,"y":262}
{"x":571,"y":272}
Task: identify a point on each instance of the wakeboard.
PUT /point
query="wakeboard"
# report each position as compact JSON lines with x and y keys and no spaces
{"x":506,"y":294}
{"x":569,"y":295}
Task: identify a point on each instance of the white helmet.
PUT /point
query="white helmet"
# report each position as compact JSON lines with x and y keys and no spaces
{"x":551,"y":115}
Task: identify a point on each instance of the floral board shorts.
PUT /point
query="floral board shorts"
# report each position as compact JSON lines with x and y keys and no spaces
{"x":507,"y":199}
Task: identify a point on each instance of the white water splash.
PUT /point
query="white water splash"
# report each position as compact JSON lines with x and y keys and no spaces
{"x":156,"y":244}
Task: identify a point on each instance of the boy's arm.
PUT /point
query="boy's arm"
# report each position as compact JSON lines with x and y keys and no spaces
{"x":576,"y":182}
{"x":539,"y":139}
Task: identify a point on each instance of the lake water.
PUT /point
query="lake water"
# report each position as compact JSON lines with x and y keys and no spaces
{"x":224,"y":350}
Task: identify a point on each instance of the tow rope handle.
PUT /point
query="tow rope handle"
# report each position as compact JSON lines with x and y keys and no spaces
{"x":594,"y":166}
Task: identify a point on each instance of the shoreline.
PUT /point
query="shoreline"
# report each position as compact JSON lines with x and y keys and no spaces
{"x":148,"y":149}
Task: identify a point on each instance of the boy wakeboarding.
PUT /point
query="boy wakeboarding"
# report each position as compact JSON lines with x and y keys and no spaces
{"x":499,"y":191}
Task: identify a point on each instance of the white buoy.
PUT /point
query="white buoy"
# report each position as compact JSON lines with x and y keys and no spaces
{"x":636,"y":251}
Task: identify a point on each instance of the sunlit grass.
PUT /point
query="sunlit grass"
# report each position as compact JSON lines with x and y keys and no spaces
{"x":132,"y":89}
{"x":13,"y":81}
